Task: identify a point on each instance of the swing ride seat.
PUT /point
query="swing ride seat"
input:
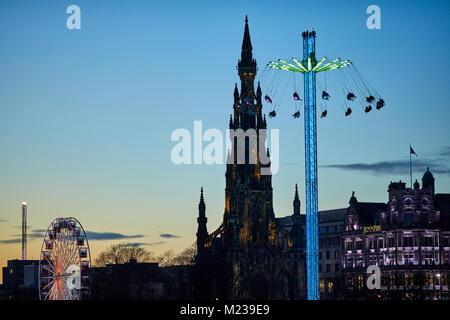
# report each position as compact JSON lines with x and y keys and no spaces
{"x":267,"y":98}
{"x":296,"y":115}
{"x":324,"y":114}
{"x":368,"y":109}
{"x":325,"y":95}
{"x":272,"y":114}
{"x":351,"y":96}
{"x":370,"y":99}
{"x":380,"y":104}
{"x":348,"y":112}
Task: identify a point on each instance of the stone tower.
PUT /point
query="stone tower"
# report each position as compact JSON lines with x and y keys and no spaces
{"x":248,"y":256}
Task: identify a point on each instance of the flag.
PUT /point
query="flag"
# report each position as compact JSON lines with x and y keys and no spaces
{"x":411,"y":151}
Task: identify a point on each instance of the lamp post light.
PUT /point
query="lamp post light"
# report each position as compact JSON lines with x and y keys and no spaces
{"x":440,"y":287}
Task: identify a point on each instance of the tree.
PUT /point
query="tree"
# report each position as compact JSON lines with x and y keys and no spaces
{"x":187,"y":256}
{"x":166,"y":258}
{"x":121,"y":253}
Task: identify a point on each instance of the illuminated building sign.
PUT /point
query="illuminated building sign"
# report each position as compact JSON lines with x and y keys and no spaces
{"x":374,"y":228}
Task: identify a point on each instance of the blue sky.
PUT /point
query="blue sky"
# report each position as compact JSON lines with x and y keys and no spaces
{"x":86,"y":115}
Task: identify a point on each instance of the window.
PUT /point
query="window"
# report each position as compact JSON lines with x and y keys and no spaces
{"x":328,"y":267}
{"x":391,"y":260}
{"x":429,"y":279}
{"x":337,"y":241}
{"x":322,"y":286}
{"x":391,"y":243}
{"x":336,"y":267}
{"x":428,"y":241}
{"x":407,"y":241}
{"x":391,"y":280}
{"x":444,"y":279}
{"x":409,"y":279}
{"x":446,"y":257}
{"x":350,"y":282}
{"x":359,"y":245}
{"x":409,"y":217}
{"x":428,"y":259}
{"x":446,"y":242}
{"x":380,"y":243}
{"x":320,"y":268}
{"x":359,"y":262}
{"x":360,"y":281}
{"x":336,"y":254}
{"x":320,"y":255}
{"x":408,"y":258}
{"x":349,"y":263}
{"x":328,"y":255}
{"x":330,"y":286}
{"x":350,"y":245}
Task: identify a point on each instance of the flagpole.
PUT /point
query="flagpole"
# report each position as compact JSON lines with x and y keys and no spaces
{"x":410,"y":165}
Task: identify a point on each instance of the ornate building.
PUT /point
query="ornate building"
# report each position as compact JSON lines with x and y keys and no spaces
{"x":405,"y":238}
{"x":249,"y":256}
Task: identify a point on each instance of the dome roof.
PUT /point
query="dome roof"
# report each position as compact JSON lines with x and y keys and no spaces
{"x":428,"y":180}
{"x":428,"y":175}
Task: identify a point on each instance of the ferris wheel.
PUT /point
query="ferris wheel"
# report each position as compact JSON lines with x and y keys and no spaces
{"x":64,"y":261}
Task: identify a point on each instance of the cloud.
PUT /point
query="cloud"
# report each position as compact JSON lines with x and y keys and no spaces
{"x":290,"y":163}
{"x":168,"y":235}
{"x":16,"y":240}
{"x":139,"y":244}
{"x":135,"y":244}
{"x":32,"y":234}
{"x":444,"y":152}
{"x":91,"y":235}
{"x":393,"y":167}
{"x":156,"y":243}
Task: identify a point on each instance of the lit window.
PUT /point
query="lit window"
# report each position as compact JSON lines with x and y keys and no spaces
{"x":360,"y":281}
{"x":330,"y":286}
{"x":322,"y":286}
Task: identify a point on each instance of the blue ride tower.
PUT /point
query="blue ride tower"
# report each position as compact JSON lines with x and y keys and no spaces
{"x":309,"y":66}
{"x":312,"y":228}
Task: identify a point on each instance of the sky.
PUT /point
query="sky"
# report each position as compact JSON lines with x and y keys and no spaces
{"x":86,"y":115}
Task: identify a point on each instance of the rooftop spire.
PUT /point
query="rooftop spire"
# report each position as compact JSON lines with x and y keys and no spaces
{"x":246,"y":54}
{"x":296,"y":202}
{"x":201,"y":204}
{"x":236,"y":93}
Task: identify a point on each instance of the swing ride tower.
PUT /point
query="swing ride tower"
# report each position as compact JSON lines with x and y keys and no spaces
{"x":312,"y":226}
{"x":309,"y":66}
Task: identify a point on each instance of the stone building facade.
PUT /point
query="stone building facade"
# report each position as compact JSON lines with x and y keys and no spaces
{"x":406,"y":239}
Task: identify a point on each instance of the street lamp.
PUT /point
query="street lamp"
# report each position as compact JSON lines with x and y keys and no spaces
{"x":440,"y":287}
